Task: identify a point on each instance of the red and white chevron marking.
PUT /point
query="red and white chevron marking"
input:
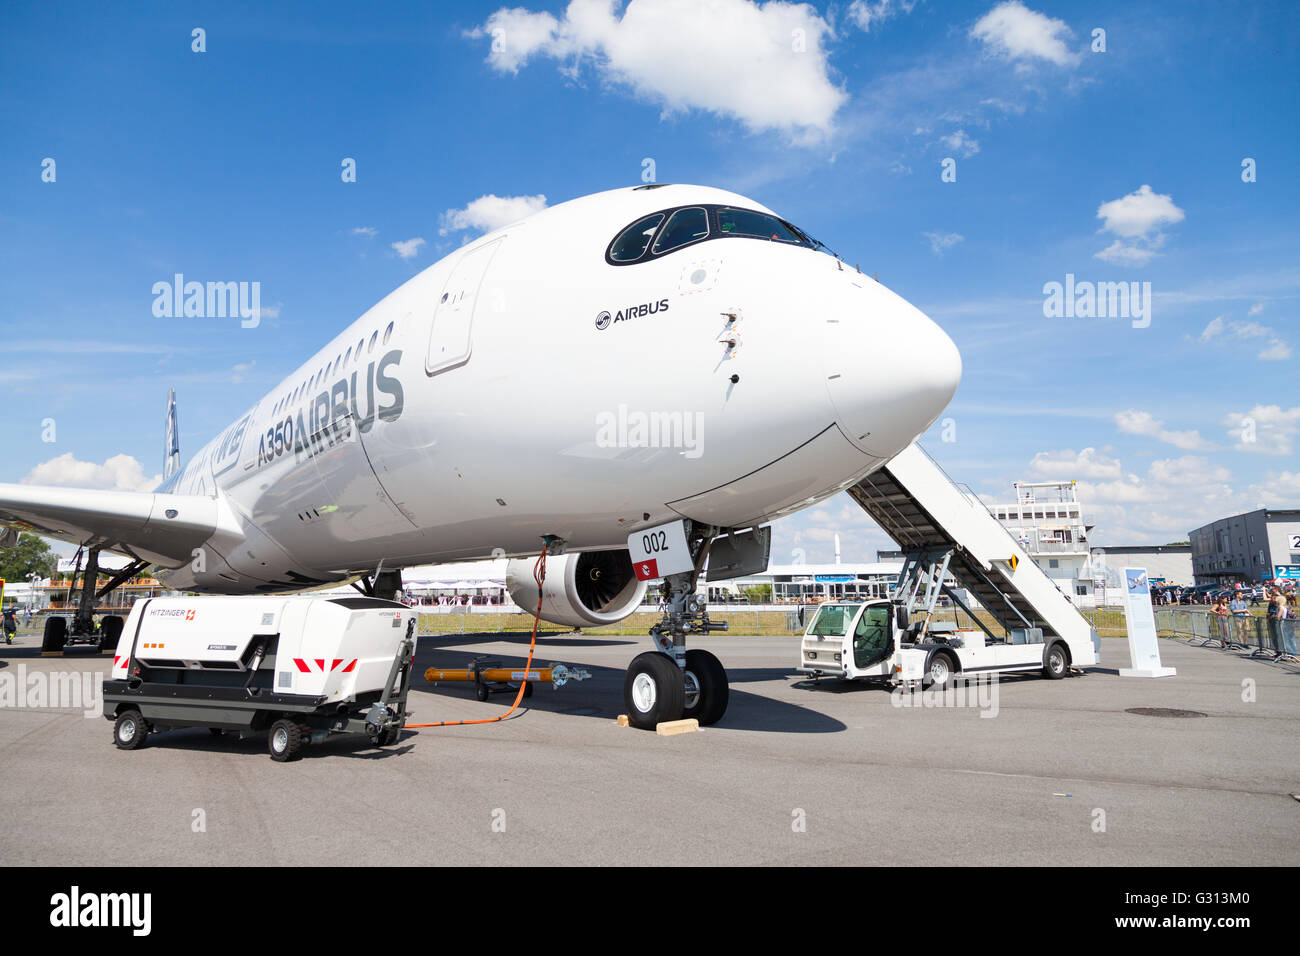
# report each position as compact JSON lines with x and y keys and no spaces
{"x":324,"y":665}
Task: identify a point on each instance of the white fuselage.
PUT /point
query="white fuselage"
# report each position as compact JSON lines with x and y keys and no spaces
{"x":502,"y":406}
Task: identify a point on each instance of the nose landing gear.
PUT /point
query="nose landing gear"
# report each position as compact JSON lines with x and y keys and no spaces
{"x":672,"y":682}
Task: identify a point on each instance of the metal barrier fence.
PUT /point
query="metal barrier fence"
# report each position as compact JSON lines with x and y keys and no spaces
{"x":1105,"y":618}
{"x":1262,"y":636}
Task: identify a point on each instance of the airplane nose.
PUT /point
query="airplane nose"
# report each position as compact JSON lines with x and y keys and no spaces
{"x":890,"y":371}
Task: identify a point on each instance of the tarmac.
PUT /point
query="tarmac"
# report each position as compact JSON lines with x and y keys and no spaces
{"x":1028,"y":772}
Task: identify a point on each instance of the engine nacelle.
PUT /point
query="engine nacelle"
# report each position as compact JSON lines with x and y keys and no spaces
{"x":581,"y":590}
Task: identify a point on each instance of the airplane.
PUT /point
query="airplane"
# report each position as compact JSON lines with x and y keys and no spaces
{"x":535,"y":386}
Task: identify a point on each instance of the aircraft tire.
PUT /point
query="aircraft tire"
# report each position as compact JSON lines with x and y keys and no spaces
{"x":653,"y":690}
{"x":715,"y":691}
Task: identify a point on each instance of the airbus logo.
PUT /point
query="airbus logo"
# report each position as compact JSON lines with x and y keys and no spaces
{"x":605,"y":320}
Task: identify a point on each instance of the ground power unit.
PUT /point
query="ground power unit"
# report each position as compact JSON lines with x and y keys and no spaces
{"x":296,"y":668}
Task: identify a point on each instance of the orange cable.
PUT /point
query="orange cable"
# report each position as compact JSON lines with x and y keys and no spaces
{"x":539,"y":575}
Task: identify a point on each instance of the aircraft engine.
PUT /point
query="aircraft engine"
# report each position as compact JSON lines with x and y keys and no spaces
{"x":581,"y":590}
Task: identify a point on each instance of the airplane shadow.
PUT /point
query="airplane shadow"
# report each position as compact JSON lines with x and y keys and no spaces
{"x":17,"y":652}
{"x":601,"y":696}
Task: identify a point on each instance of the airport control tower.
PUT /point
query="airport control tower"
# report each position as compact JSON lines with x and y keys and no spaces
{"x":1047,"y":521}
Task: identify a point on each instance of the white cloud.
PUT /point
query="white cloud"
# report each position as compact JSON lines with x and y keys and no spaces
{"x":1250,"y":330}
{"x":1275,"y":351}
{"x":119,"y":473}
{"x":1067,"y":465}
{"x":516,"y":35}
{"x":1002,"y":105}
{"x":1134,"y":422}
{"x":1013,"y":30}
{"x":765,"y":66}
{"x":1173,"y":497}
{"x":1139,"y":213}
{"x":941,"y":242}
{"x":1278,"y":490}
{"x":1136,"y":219}
{"x":1213,"y":328}
{"x":960,"y":142}
{"x":863,"y":13}
{"x":810,"y":535}
{"x":491,"y":212}
{"x":1257,"y":308}
{"x":408,"y":248}
{"x":1120,"y":253}
{"x":367,"y":231}
{"x":1265,"y":429}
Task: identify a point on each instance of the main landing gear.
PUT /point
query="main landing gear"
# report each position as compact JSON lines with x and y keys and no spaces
{"x":81,"y":630}
{"x":383,"y":584}
{"x":672,"y":683}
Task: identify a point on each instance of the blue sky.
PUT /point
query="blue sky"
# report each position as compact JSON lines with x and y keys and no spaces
{"x":225,"y":164}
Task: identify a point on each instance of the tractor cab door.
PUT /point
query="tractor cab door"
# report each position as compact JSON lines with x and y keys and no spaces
{"x":873,"y":635}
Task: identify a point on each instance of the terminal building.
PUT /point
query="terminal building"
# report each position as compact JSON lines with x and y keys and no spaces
{"x":813,"y":583}
{"x":1252,"y":547}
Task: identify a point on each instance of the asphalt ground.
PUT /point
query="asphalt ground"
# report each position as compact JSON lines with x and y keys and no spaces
{"x":1045,"y":772}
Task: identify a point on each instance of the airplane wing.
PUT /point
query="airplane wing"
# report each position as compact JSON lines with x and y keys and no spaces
{"x":160,"y":528}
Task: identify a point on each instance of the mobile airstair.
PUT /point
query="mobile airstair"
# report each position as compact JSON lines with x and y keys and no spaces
{"x":944,"y":529}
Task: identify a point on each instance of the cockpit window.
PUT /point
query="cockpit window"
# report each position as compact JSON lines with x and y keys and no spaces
{"x":669,"y":229}
{"x":747,"y":222}
{"x":684,"y":226}
{"x":635,"y":239}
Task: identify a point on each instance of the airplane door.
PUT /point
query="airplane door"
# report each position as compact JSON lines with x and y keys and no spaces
{"x":453,"y":317}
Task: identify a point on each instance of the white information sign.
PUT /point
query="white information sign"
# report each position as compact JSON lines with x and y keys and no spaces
{"x":1143,"y":644}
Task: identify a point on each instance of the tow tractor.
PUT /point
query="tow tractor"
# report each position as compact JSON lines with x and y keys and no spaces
{"x":878,"y":640}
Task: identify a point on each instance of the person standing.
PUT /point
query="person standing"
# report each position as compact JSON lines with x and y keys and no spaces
{"x":1220,"y":611}
{"x":10,"y":621}
{"x":1286,"y":624}
{"x":1240,"y":617}
{"x":1276,"y":612}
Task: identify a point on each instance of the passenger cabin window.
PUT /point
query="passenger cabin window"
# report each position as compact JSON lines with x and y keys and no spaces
{"x":683,"y":227}
{"x":634,"y":241}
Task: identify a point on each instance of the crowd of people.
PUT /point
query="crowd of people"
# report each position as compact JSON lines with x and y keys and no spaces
{"x":1234,"y":618}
